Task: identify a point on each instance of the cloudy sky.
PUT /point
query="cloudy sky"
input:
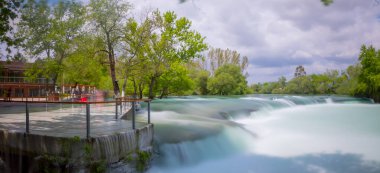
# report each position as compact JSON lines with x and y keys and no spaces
{"x":278,"y":35}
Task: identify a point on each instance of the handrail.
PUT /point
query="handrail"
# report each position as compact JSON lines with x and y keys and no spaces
{"x":12,"y":79}
{"x":76,"y":102}
{"x":117,"y":102}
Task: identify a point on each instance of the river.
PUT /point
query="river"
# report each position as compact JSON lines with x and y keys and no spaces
{"x":265,"y":134}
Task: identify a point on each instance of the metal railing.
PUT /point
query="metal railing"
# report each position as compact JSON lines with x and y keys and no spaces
{"x":8,"y":79}
{"x":118,"y":107}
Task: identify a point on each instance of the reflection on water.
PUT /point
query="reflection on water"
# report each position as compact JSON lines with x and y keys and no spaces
{"x":266,"y":133}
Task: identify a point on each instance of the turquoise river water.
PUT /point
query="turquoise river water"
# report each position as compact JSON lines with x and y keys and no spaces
{"x":266,"y":134}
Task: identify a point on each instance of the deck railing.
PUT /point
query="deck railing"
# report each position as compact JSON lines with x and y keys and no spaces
{"x":119,"y":103}
{"x":8,"y":79}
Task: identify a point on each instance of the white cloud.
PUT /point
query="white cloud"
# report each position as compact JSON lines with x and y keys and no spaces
{"x":279,"y":35}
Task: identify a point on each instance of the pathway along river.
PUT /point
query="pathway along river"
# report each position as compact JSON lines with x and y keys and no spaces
{"x":265,"y":134}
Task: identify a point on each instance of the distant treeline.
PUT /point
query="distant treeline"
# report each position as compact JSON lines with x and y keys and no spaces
{"x":361,"y":79}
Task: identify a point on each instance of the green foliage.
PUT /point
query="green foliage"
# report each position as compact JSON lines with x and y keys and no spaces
{"x":175,"y":81}
{"x":8,"y":13}
{"x":349,"y":80}
{"x":105,"y":83}
{"x":227,"y":80}
{"x":219,"y":57}
{"x":143,"y":159}
{"x":327,"y":2}
{"x":369,"y":78}
{"x":42,"y":68}
{"x":50,"y":32}
{"x":220,"y":73}
{"x":256,"y":88}
{"x":222,"y":84}
{"x":361,"y":79}
{"x":171,"y":41}
{"x":67,"y":144}
{"x":300,"y":71}
{"x":330,"y":82}
{"x":201,"y":80}
{"x":98,"y":166}
{"x":79,"y":68}
{"x":154,"y":57}
{"x":106,"y":17}
{"x":128,"y":158}
{"x":48,"y":163}
{"x":59,"y":162}
{"x":88,"y":150}
{"x":133,"y":64}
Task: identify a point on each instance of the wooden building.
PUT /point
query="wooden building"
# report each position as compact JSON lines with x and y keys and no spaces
{"x":13,"y":83}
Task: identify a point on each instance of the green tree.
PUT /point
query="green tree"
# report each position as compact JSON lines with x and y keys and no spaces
{"x":326,"y":83}
{"x":256,"y":88}
{"x":282,"y":82}
{"x":133,"y":63}
{"x":279,"y":86}
{"x":175,"y":81}
{"x":268,"y":87}
{"x":50,"y":33}
{"x":369,"y":78}
{"x":300,"y":85}
{"x":8,"y":13}
{"x":349,"y":80}
{"x":227,"y":80}
{"x":300,"y":71}
{"x":219,"y":57}
{"x":34,"y":28}
{"x":327,"y":2}
{"x":84,"y":65}
{"x":171,"y":41}
{"x":201,"y":80}
{"x":108,"y":18}
{"x":320,"y":83}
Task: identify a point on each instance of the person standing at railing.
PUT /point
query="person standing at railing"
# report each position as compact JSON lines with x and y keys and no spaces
{"x":8,"y":92}
{"x":5,"y":95}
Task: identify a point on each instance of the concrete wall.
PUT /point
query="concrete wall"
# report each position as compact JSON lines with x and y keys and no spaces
{"x":21,"y":152}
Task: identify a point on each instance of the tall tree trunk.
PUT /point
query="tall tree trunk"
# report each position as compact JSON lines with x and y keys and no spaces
{"x":140,"y":90}
{"x":55,"y":76}
{"x":134,"y":88}
{"x":164,"y":92}
{"x":111,"y":58}
{"x":151,"y":85}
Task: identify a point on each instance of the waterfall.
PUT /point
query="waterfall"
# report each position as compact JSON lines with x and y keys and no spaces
{"x":229,"y":141}
{"x":119,"y":145}
{"x":285,"y":101}
{"x":266,"y":133}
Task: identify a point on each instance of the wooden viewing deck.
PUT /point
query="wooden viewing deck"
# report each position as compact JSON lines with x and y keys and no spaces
{"x":68,"y":119}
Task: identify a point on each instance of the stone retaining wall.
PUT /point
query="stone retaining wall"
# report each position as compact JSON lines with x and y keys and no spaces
{"x":20,"y":152}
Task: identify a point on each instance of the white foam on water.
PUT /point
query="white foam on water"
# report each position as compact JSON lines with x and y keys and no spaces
{"x":320,"y":128}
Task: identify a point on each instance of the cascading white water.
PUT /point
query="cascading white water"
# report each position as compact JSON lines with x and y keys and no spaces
{"x":212,"y":147}
{"x":267,"y":134}
{"x":119,"y":145}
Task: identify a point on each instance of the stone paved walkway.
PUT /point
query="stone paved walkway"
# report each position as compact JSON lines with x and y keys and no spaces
{"x":67,"y":121}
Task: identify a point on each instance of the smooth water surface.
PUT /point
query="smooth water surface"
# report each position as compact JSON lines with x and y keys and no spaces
{"x":266,"y":133}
